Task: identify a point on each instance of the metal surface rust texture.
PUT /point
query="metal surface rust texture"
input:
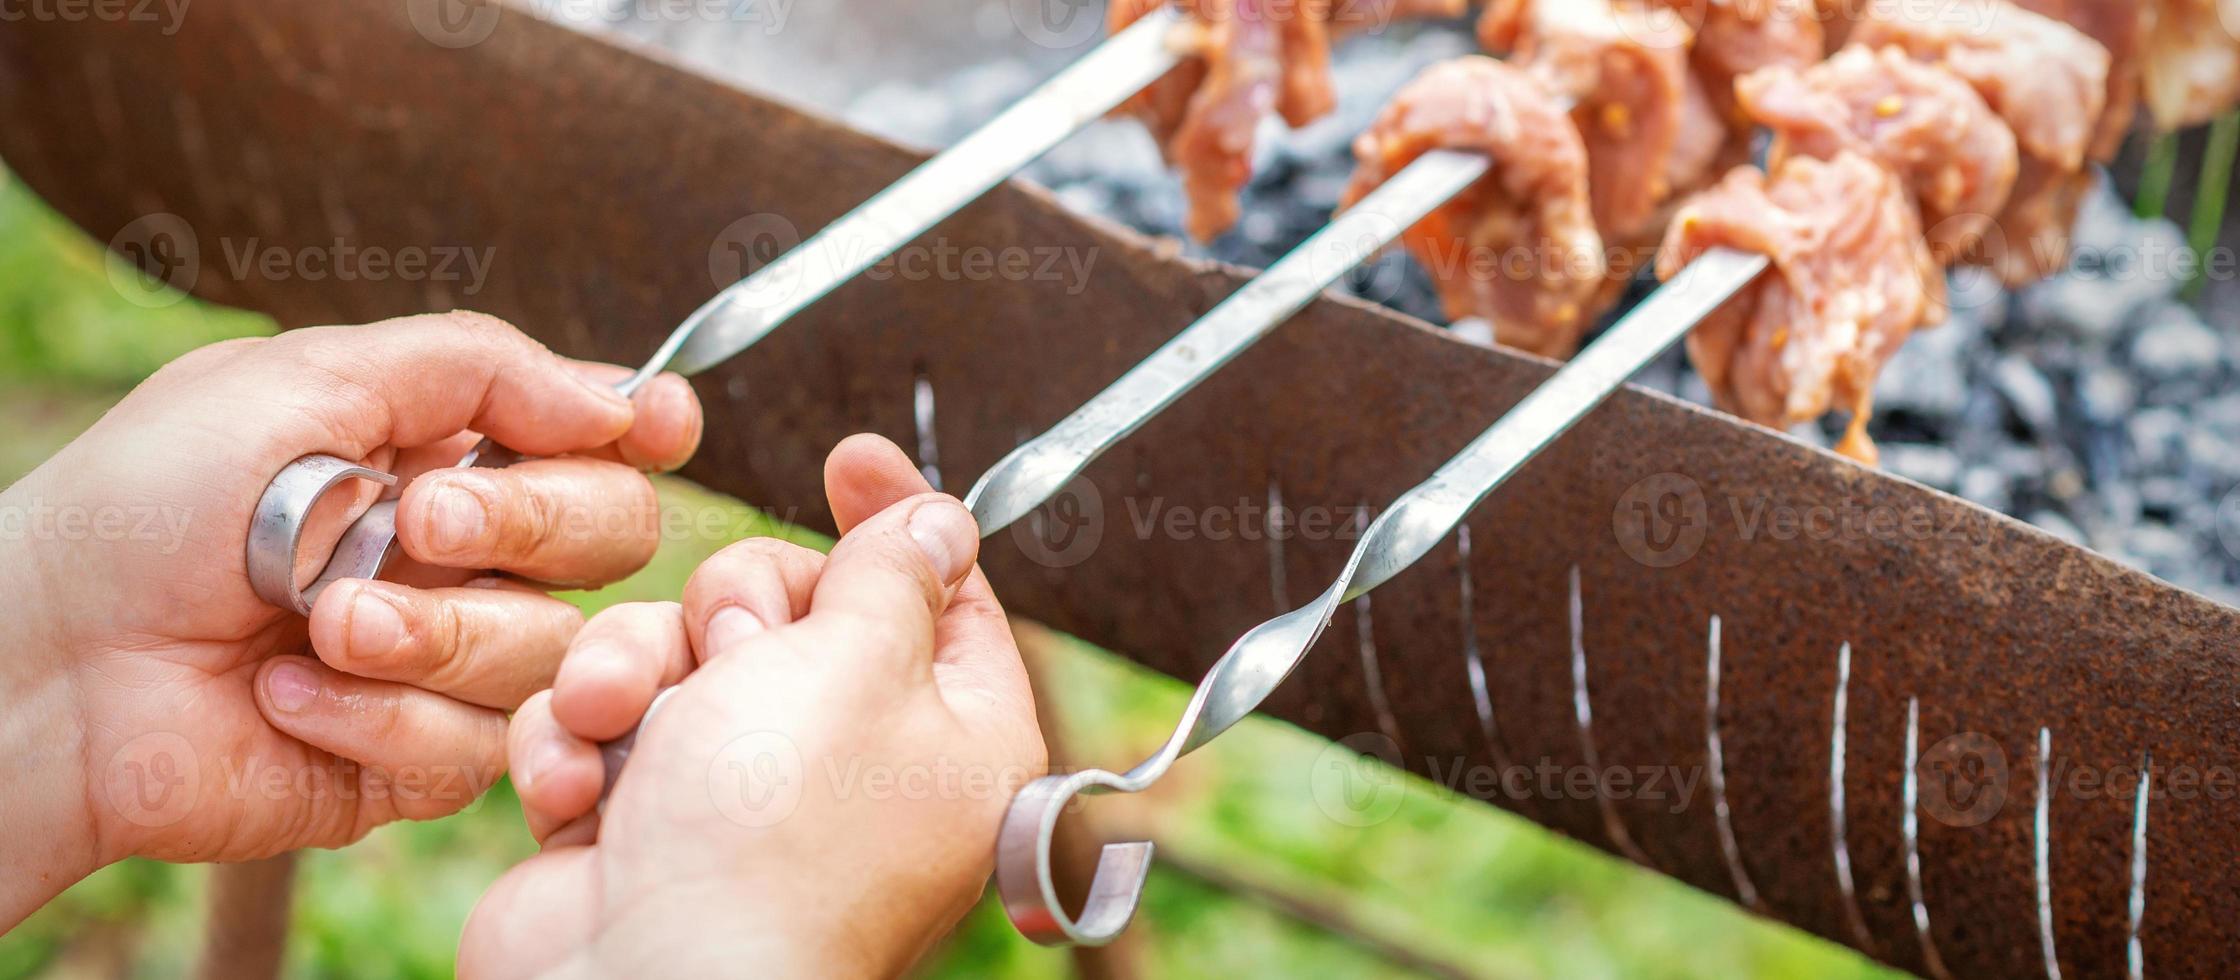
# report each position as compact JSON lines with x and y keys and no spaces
{"x":609,"y":189}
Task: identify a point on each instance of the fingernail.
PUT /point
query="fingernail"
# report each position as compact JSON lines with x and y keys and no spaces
{"x":731,"y":626}
{"x":376,"y":627}
{"x":457,"y":516}
{"x":291,"y":687}
{"x":546,"y":757}
{"x":945,"y":532}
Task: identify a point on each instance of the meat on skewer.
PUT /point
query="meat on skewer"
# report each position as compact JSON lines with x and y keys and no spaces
{"x":1736,"y":37}
{"x":2047,"y":80}
{"x":1852,"y":279}
{"x":1252,"y":58}
{"x":1518,"y":248}
{"x":2119,"y":26}
{"x":2191,"y":61}
{"x":1954,"y":155}
{"x":1624,"y":70}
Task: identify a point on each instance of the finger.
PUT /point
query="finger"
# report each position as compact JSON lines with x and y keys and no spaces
{"x":867,"y":474}
{"x":567,"y":521}
{"x":755,"y":585}
{"x":556,"y":773}
{"x":888,"y":579}
{"x":976,"y":662}
{"x":486,"y":646}
{"x":667,"y":426}
{"x":515,"y":929}
{"x":442,"y":454}
{"x":580,"y":832}
{"x":621,"y":659}
{"x":416,"y":380}
{"x":435,"y":754}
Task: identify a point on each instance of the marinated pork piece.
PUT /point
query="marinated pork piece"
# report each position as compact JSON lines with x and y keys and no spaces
{"x":1736,"y":37}
{"x":1251,"y":58}
{"x":1704,"y":142}
{"x":1624,"y":70}
{"x":1930,"y":128}
{"x":2191,"y":61}
{"x":1851,"y":281}
{"x":2047,"y":80}
{"x":2118,"y":26}
{"x":1519,"y":247}
{"x":1207,"y":111}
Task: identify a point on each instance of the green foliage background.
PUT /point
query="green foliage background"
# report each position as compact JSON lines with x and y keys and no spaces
{"x":1461,"y":887}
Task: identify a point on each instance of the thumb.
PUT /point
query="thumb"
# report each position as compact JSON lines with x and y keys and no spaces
{"x":889,"y":579}
{"x":512,"y":930}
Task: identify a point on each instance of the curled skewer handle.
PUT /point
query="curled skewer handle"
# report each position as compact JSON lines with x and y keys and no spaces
{"x":276,"y":525}
{"x":276,"y":531}
{"x":1023,"y":866}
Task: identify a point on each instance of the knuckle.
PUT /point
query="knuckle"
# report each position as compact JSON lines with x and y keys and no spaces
{"x":622,"y":617}
{"x":213,"y":357}
{"x":531,"y":523}
{"x":738,"y":564}
{"x":482,"y":326}
{"x":653,"y":615}
{"x":386,"y":720}
{"x":902,"y":559}
{"x":878,"y":634}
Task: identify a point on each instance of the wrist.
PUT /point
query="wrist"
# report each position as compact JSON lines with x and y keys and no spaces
{"x":46,"y":831}
{"x":642,"y":940}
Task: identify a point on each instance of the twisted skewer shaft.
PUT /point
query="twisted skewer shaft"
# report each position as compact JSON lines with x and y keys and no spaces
{"x":1264,"y":656}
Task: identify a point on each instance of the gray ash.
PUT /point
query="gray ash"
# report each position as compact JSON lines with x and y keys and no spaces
{"x":2099,"y":406}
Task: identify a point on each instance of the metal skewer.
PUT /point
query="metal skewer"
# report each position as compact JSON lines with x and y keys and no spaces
{"x":1264,"y":656}
{"x":748,"y":310}
{"x":1034,"y":472}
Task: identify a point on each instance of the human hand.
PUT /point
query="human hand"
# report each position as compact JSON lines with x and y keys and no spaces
{"x":157,"y":707}
{"x":825,"y":781}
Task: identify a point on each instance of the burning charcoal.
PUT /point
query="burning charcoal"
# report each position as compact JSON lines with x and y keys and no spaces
{"x":2028,"y":394}
{"x":2174,"y":343}
{"x":1933,"y":466}
{"x":2157,"y":438}
{"x":1929,"y":375}
{"x":2107,"y":395}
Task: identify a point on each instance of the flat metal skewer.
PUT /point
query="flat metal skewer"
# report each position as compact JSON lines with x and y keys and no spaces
{"x":1078,"y":96}
{"x":1038,"y":470}
{"x":749,"y":309}
{"x":1264,"y":656}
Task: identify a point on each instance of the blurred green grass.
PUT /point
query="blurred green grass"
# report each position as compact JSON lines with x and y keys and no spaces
{"x":1456,"y":883}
